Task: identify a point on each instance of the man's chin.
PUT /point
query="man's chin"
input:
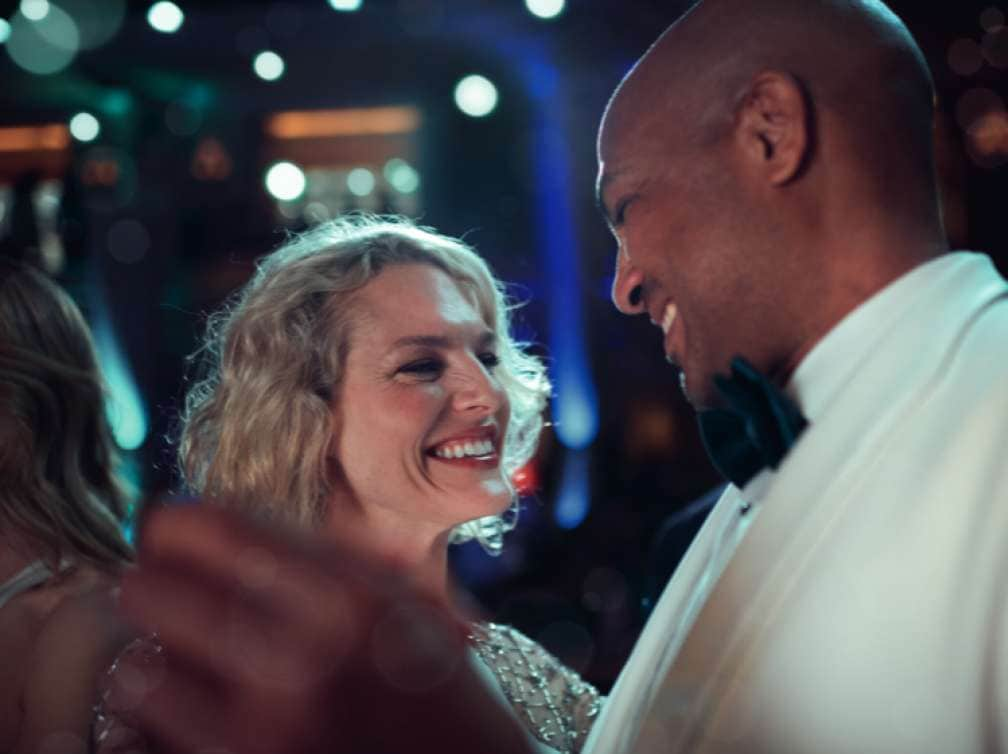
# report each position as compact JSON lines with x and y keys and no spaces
{"x":697,"y":400}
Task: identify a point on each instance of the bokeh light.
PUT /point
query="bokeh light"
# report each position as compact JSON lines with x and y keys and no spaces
{"x":995,"y":47}
{"x":965,"y":57}
{"x":182,"y":118}
{"x":97,"y":20}
{"x":285,"y":181}
{"x":34,"y":10}
{"x":360,"y":181}
{"x":476,"y":96}
{"x":84,"y":127}
{"x":987,"y":138}
{"x":346,"y":6}
{"x":165,"y":17}
{"x":976,"y":103}
{"x":545,"y":8}
{"x":128,"y":241}
{"x":45,"y":46}
{"x":992,"y":18}
{"x":268,"y":65}
{"x":5,"y":30}
{"x":401,"y":176}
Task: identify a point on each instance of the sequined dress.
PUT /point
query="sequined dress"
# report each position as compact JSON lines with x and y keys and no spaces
{"x":555,"y":706}
{"x":550,"y":699}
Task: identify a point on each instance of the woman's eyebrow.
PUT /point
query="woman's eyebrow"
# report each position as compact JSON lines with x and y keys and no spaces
{"x":485,"y":338}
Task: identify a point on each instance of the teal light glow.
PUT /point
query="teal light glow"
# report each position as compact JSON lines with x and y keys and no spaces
{"x":401,"y":176}
{"x":34,"y":10}
{"x":346,"y":6}
{"x":46,"y":45}
{"x":5,"y":30}
{"x":124,"y":408}
{"x":360,"y":181}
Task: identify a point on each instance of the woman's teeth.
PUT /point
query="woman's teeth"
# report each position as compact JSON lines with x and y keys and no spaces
{"x":460,"y":449}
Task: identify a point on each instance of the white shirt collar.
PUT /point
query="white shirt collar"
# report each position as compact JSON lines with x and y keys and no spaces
{"x":835,"y":359}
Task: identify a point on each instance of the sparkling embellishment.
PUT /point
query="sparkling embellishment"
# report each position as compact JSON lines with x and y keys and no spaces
{"x":551,"y":699}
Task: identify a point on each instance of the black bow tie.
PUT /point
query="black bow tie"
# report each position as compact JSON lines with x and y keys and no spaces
{"x":755,"y":430}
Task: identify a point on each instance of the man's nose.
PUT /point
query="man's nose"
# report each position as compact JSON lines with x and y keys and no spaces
{"x":627,"y":288}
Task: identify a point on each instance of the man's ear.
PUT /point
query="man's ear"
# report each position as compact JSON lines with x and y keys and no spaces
{"x":773,"y":126}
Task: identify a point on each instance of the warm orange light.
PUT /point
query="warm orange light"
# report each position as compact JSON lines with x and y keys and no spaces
{"x":989,"y":134}
{"x":47,"y":138}
{"x":315,"y":124}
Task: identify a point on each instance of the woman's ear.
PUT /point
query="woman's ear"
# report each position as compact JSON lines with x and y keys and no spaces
{"x":773,"y":126}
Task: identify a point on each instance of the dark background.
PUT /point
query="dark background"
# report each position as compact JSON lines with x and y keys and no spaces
{"x":517,"y":184}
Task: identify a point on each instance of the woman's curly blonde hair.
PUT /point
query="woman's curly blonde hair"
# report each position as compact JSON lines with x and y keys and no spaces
{"x":257,"y":427}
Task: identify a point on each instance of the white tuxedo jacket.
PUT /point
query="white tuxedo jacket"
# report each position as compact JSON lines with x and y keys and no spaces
{"x":866,"y":608}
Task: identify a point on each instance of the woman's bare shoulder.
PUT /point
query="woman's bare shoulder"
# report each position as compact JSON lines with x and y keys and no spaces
{"x":75,"y":642}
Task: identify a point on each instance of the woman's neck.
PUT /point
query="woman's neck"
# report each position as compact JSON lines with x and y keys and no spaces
{"x":419,"y":551}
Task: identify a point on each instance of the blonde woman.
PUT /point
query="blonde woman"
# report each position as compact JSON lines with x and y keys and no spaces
{"x":366,"y":379}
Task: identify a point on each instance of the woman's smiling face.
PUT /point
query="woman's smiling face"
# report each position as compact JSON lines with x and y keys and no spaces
{"x":419,"y":415}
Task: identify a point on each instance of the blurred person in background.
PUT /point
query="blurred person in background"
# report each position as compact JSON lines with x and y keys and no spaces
{"x":62,"y":509}
{"x":365,"y":386}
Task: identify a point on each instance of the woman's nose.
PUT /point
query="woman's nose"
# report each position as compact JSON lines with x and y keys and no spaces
{"x":478,"y":390}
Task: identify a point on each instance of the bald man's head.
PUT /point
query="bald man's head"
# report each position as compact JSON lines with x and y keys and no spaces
{"x":854,"y":58}
{"x":743,"y":150}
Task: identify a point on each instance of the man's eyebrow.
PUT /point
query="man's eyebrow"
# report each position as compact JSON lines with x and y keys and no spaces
{"x":600,"y":187}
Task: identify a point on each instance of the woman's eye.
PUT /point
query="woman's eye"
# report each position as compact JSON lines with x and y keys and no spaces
{"x":489,"y":359}
{"x":422,"y":368}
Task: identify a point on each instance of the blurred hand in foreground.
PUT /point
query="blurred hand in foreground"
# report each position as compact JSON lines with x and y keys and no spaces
{"x":274,"y":643}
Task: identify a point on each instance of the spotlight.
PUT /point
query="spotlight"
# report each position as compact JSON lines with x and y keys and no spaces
{"x":84,"y":127}
{"x":165,"y":17}
{"x":545,"y":8}
{"x":346,"y":6}
{"x":476,"y":96}
{"x":268,"y":65}
{"x":285,"y":181}
{"x":34,"y":10}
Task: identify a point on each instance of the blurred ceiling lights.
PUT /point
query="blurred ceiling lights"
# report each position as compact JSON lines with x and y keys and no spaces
{"x":313,"y":124}
{"x":44,"y":138}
